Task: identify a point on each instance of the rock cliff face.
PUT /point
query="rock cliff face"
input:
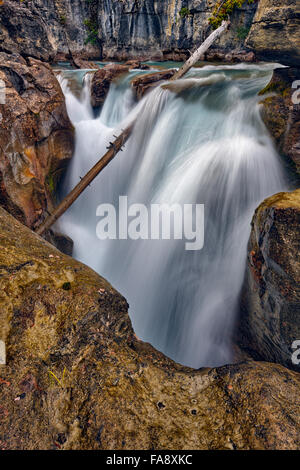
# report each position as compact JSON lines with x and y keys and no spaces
{"x":45,"y":28}
{"x":113,"y":28}
{"x":148,"y":28}
{"x":36,"y":137}
{"x":76,"y":377}
{"x":274,"y":34}
{"x":158,"y":28}
{"x":22,"y":30}
{"x":270,"y":317}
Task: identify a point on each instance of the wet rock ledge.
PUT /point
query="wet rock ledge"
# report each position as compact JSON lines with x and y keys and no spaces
{"x":77,"y":377}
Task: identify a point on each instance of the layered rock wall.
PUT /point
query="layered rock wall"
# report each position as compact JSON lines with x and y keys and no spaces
{"x":156,"y":29}
{"x":115,"y":29}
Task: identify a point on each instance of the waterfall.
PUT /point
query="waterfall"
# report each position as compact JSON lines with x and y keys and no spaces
{"x":201,"y":141}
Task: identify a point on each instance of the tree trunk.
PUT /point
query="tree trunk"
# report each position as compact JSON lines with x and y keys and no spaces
{"x":117,"y":145}
{"x":200,"y":51}
{"x":113,"y":149}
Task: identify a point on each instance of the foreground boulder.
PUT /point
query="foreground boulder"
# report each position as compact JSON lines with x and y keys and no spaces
{"x":76,"y":377}
{"x":281,"y":112}
{"x":101,"y":82}
{"x":270,"y":318}
{"x":36,"y":137}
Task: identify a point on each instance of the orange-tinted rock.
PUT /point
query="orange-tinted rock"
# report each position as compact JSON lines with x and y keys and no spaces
{"x":232,"y":56}
{"x":82,"y":63}
{"x":36,"y":137}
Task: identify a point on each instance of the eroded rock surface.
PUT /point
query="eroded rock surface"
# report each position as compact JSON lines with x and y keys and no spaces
{"x":45,"y":30}
{"x":161,"y":30}
{"x":77,"y":378}
{"x":36,"y":137}
{"x":115,"y":29}
{"x":270,"y":318}
{"x":274,"y":34}
{"x":23,"y":31}
{"x":281,"y":112}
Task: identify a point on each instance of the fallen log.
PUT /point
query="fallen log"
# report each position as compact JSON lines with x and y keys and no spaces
{"x":120,"y":141}
{"x":196,"y":56}
{"x":112,"y":151}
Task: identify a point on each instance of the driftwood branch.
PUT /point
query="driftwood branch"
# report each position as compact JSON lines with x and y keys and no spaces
{"x":112,"y":151}
{"x":117,"y":145}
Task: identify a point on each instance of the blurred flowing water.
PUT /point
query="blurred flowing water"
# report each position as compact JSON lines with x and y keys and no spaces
{"x":202,"y":141}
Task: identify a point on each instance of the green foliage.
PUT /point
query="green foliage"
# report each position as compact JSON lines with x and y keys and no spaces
{"x":223,"y":9}
{"x":62,"y":19}
{"x":92,"y":31}
{"x":184,"y":12}
{"x":242,"y":32}
{"x":51,"y":181}
{"x":278,"y":87}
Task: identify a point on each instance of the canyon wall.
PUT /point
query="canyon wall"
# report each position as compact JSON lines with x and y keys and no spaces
{"x":156,"y":29}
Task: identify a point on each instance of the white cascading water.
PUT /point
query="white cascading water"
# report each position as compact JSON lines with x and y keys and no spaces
{"x":200,"y":141}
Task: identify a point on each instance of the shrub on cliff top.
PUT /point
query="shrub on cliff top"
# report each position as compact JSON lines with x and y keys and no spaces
{"x":184,"y":12}
{"x":223,"y":9}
